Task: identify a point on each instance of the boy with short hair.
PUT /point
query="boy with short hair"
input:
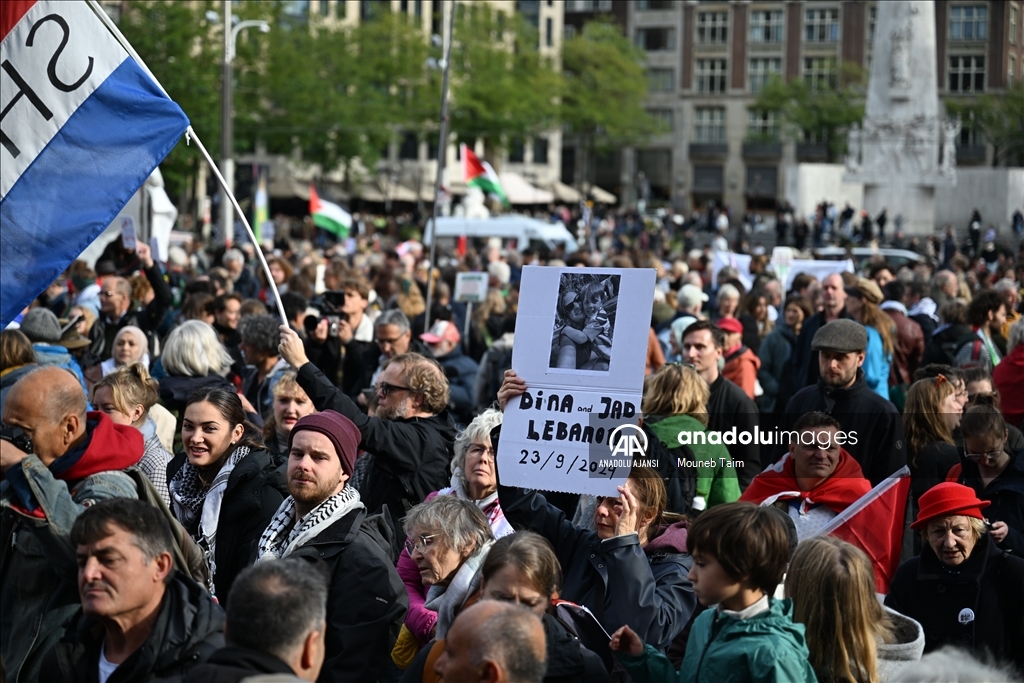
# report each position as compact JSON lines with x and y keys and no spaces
{"x":740,"y":552}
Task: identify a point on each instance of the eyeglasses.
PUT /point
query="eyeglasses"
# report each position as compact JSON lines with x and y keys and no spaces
{"x":990,"y":455}
{"x":423,"y":544}
{"x":385,"y":342}
{"x":387,"y":388}
{"x":476,"y":450}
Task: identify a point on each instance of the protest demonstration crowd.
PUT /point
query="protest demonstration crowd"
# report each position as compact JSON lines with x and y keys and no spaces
{"x":194,"y":491}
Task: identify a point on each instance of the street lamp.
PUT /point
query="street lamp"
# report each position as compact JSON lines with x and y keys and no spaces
{"x":227,"y":164}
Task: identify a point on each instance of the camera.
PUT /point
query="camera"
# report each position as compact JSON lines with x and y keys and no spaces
{"x":17,"y":436}
{"x":331,"y":303}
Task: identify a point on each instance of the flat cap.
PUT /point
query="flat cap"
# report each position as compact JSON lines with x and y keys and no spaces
{"x":844,"y":336}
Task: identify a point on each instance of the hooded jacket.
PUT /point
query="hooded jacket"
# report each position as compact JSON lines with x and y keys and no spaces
{"x":722,"y":648}
{"x":942,"y":346}
{"x":907,"y":646}
{"x":187,"y":630}
{"x":716,"y":484}
{"x":616,"y":579}
{"x":880,"y":448}
{"x":741,"y":368}
{"x":980,"y":607}
{"x":366,"y":601}
{"x":411,"y":455}
{"x":1007,"y":377}
{"x":38,"y":571}
{"x":1006,"y":492}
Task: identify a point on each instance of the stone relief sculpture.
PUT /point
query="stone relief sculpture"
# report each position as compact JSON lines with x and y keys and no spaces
{"x":950,"y":133}
{"x":853,"y":149}
{"x":899,"y":63}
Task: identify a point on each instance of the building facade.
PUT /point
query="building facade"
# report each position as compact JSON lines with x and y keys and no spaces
{"x":707,"y":61}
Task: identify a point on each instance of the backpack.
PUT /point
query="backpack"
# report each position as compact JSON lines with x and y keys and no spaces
{"x":188,"y":556}
{"x":497,"y":362}
{"x":680,"y":482}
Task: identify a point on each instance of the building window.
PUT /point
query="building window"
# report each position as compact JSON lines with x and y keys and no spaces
{"x":711,"y":75}
{"x":762,"y":124}
{"x":1011,"y":72}
{"x":968,"y":22}
{"x":540,"y":150}
{"x":549,"y":30}
{"x":655,"y":4}
{"x":761,"y":71}
{"x":709,"y":124}
{"x":516,"y":152}
{"x":821,"y":26}
{"x":325,"y":10}
{"x":588,"y":5}
{"x":656,"y":39}
{"x":872,"y":20}
{"x":1013,"y":26}
{"x":568,"y":32}
{"x":661,"y":80}
{"x":820,"y":73}
{"x":664,"y":118}
{"x":967,"y":74}
{"x":766,"y":26}
{"x":712,"y":27}
{"x":371,"y":9}
{"x":410,"y":147}
{"x":970,"y":136}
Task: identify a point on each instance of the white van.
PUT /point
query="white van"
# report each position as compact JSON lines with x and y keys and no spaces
{"x":525,"y":231}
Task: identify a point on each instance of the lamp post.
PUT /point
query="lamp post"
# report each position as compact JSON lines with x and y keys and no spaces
{"x":227,"y":164}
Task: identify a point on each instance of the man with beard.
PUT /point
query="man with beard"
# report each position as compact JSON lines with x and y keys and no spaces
{"x":872,"y":425}
{"x":411,"y":437}
{"x":323,"y":518}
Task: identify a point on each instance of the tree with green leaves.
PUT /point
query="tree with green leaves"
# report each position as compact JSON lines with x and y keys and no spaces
{"x":999,"y":117}
{"x":605,"y":87}
{"x":823,"y":114}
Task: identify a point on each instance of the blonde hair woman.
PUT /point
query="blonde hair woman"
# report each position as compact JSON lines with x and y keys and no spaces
{"x":675,"y":408}
{"x":290,"y":404}
{"x":852,"y":638}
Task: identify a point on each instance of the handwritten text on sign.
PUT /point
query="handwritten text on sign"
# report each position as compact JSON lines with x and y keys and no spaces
{"x":557,"y":440}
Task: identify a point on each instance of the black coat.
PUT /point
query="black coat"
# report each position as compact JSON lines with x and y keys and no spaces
{"x":930,"y":468}
{"x":880,"y":449}
{"x":990,"y":584}
{"x":256,"y":488}
{"x":729,"y":406}
{"x":943,"y":344}
{"x":366,"y":601}
{"x":187,"y":630}
{"x":411,"y":455}
{"x":233,"y":665}
{"x":1006,"y":492}
{"x":608,"y":577}
{"x":148,"y":317}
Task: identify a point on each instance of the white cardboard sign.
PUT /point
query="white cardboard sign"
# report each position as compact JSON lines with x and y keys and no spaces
{"x":128,"y":234}
{"x":471,"y":287}
{"x":581,"y":345}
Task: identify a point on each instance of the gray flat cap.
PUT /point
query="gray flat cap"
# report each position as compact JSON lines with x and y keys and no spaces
{"x":844,"y":336}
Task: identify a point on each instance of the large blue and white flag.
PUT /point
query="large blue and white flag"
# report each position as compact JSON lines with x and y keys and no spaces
{"x":82,"y":125}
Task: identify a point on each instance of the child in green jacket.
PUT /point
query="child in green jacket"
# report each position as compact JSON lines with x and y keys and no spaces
{"x":740,"y":552}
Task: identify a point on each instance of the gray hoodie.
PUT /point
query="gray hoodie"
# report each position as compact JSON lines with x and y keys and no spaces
{"x":908,"y":646}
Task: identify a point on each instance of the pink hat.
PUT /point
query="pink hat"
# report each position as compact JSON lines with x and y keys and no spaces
{"x":730,"y":325}
{"x":342,"y":432}
{"x":440,"y":331}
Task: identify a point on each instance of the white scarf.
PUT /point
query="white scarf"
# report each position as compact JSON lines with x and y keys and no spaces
{"x":488,"y":505}
{"x":448,"y":600}
{"x":285,"y":534}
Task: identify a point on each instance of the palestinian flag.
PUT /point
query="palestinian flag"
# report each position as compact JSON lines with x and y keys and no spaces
{"x":328,"y":215}
{"x":476,"y":173}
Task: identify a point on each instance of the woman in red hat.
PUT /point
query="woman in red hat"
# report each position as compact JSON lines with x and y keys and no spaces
{"x":962,"y":589}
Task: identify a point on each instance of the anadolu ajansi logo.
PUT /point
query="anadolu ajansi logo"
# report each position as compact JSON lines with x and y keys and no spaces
{"x":628,"y":441}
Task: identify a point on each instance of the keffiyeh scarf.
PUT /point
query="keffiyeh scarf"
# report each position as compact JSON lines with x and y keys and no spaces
{"x":285,"y":534}
{"x":489,"y":505}
{"x":191,"y":500}
{"x":448,"y":600}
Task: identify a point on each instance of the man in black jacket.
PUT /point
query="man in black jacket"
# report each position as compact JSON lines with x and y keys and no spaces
{"x":139,"y":618}
{"x":412,"y":437}
{"x":728,"y":406}
{"x":118,"y":309}
{"x":872,"y":426}
{"x":324,"y":519}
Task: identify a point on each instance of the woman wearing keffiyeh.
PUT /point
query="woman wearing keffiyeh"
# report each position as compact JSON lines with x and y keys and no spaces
{"x":224,"y":489}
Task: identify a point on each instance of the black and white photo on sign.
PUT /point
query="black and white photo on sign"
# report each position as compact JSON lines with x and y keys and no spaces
{"x":584,"y":328}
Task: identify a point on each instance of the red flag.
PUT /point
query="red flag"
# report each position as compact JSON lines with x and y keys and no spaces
{"x":874,"y":523}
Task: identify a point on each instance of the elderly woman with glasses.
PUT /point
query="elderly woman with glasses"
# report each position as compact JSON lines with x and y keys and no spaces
{"x":962,"y":589}
{"x":473,"y":479}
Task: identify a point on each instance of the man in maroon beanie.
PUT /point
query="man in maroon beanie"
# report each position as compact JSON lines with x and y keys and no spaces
{"x":324,"y":519}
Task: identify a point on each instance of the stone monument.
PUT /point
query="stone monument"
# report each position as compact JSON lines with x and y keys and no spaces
{"x":906,"y":149}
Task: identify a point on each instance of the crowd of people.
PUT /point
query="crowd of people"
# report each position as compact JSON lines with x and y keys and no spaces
{"x":196,"y":490}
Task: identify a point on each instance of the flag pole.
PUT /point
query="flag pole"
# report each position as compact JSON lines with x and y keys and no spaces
{"x":190,"y":134}
{"x":442,"y":154}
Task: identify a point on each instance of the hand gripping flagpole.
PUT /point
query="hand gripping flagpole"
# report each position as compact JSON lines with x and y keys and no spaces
{"x":190,"y":134}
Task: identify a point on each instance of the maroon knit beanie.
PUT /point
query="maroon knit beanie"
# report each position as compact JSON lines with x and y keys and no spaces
{"x":342,"y":432}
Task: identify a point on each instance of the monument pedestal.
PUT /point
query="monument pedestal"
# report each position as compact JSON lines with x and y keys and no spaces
{"x":915,"y":203}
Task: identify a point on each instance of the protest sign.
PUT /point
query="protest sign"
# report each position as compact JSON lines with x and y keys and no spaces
{"x":471,"y":287}
{"x":582,"y":357}
{"x":129,"y":238}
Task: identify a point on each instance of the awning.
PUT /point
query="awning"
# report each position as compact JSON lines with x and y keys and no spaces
{"x":371,"y":192}
{"x":565,"y":193}
{"x":519,"y":191}
{"x":600,"y":195}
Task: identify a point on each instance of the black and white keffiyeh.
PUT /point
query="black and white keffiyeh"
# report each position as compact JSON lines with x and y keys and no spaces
{"x":191,"y":500}
{"x":285,"y":534}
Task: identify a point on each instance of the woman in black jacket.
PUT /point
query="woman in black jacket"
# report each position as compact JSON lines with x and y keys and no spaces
{"x":225,"y":487}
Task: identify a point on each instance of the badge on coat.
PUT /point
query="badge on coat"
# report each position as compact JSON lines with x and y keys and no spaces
{"x":966,"y":616}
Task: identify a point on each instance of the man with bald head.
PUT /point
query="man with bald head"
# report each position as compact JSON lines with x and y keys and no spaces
{"x":496,"y":642}
{"x":410,"y":439}
{"x":55,"y":459}
{"x":118,"y":309}
{"x":833,"y":299}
